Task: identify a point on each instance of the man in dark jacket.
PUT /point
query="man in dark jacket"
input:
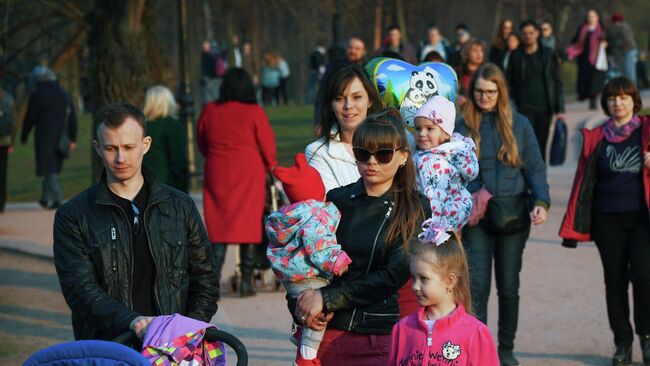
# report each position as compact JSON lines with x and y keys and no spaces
{"x":51,"y":114}
{"x":128,"y":248}
{"x":534,"y":78}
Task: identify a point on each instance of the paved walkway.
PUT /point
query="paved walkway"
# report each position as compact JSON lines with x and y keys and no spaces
{"x":563,"y":316}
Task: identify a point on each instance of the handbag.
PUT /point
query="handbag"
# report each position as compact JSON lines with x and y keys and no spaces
{"x":558,"y":144}
{"x":507,"y":214}
{"x":63,"y":148}
{"x":601,"y":59}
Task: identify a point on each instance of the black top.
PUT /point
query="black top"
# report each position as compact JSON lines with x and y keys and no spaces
{"x":534,"y":94}
{"x":619,"y":168}
{"x":144,"y":272}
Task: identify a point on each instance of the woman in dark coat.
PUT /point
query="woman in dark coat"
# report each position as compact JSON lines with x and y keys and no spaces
{"x":585,"y":46}
{"x":235,"y":136}
{"x":167,"y":157}
{"x":48,"y":110}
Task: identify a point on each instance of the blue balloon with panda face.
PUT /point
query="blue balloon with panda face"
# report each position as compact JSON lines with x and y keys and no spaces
{"x":407,"y":87}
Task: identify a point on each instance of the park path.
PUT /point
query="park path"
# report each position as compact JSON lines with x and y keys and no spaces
{"x":562,"y":319}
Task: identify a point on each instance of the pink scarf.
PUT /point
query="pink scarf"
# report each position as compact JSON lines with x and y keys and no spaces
{"x":615,"y":134}
{"x":576,"y":49}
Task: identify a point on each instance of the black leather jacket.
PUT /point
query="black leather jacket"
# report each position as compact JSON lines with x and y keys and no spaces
{"x":364,"y":299}
{"x":94,"y":260}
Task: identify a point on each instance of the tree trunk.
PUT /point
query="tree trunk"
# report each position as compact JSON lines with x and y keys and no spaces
{"x":377,"y":36}
{"x":126,"y":57}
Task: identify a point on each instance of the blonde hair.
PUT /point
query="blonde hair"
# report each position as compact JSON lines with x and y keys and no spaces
{"x":446,"y":259}
{"x":159,"y":102}
{"x":508,"y":152}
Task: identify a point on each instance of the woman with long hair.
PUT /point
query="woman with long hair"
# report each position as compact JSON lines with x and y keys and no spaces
{"x":499,"y":46}
{"x":167,"y":158}
{"x":473,"y":56}
{"x":346,"y":99}
{"x":609,"y":204}
{"x":380,"y":212}
{"x":235,"y":136}
{"x":585,"y":46}
{"x":510,"y":166}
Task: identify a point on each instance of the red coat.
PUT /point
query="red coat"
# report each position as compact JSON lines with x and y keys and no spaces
{"x":239,"y":146}
{"x":577,"y":219}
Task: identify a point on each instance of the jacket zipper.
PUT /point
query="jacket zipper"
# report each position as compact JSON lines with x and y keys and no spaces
{"x":155,"y":288}
{"x":372,"y":254}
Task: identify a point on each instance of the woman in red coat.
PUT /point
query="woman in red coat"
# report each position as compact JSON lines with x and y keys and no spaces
{"x":238,"y":143}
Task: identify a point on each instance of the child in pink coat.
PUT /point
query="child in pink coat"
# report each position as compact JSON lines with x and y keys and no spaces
{"x":441,"y":332}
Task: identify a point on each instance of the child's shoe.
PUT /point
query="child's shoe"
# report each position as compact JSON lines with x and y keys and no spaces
{"x":303,"y":362}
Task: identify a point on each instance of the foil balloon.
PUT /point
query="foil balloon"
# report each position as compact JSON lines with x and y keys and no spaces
{"x":407,"y":87}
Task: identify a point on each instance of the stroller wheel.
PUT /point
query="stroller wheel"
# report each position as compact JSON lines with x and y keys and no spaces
{"x":234,"y":283}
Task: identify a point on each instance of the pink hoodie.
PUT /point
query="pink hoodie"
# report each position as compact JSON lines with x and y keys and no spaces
{"x":457,"y":339}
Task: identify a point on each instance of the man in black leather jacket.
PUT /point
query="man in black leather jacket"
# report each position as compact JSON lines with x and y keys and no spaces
{"x":129,"y":248}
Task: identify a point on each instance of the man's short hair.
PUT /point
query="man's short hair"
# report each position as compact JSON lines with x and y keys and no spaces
{"x":462,"y":26}
{"x":114,"y":115}
{"x":394,"y":26}
{"x":527,"y":23}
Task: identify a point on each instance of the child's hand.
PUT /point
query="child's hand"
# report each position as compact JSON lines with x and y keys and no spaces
{"x":140,"y":325}
{"x":343,"y":270}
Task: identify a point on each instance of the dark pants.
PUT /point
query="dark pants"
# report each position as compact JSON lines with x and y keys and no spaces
{"x":623,"y":241}
{"x":348,"y":348}
{"x":4,"y":152}
{"x":269,"y":96}
{"x":541,"y":122}
{"x":51,"y":190}
{"x":283,"y":96}
{"x":507,"y":250}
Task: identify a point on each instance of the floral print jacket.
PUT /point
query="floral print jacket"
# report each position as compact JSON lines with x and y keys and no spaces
{"x":442,"y":176}
{"x":302,"y":241}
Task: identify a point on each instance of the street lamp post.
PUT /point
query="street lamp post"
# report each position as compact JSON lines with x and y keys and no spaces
{"x":186,"y":112}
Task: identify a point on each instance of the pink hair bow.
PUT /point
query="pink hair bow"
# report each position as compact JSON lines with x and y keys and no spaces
{"x":434,"y":231}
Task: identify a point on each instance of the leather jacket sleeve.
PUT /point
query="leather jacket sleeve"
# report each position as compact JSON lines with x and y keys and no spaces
{"x":203,"y":290}
{"x":372,"y":287}
{"x":78,"y":279}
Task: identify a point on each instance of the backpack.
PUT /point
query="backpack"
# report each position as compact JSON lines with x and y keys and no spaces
{"x":220,"y":65}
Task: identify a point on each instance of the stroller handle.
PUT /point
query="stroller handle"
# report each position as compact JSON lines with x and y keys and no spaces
{"x":211,"y":335}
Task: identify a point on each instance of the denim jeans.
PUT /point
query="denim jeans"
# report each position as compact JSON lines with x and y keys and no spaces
{"x":628,"y":64}
{"x":507,"y":250}
{"x":309,"y":337}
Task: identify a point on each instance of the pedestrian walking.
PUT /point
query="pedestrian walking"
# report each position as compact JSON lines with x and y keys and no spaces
{"x":443,"y":328}
{"x":510,"y":166}
{"x":379,"y":213}
{"x":167,"y":158}
{"x":52,"y":116}
{"x":499,"y":46}
{"x":609,"y":204}
{"x":7,"y":125}
{"x":235,"y":136}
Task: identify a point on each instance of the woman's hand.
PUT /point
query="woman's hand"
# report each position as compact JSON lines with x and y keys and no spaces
{"x":309,"y":306}
{"x":320,"y":321}
{"x":646,"y":160}
{"x":538,"y":215}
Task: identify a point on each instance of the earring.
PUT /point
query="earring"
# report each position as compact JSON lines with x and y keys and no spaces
{"x":402,"y":165}
{"x":447,"y":290}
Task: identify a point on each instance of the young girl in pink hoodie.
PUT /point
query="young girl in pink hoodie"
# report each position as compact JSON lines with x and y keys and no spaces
{"x":442,"y":331}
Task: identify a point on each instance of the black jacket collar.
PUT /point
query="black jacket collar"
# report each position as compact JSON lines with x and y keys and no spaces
{"x":155,"y":189}
{"x":359,"y":190}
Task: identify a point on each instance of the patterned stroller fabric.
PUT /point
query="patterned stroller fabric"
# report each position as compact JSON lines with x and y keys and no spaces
{"x":178,"y":340}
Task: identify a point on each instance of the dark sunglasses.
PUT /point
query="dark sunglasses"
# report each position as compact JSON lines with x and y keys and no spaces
{"x":383,"y":156}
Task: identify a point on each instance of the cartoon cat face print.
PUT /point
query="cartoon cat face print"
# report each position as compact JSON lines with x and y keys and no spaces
{"x":450,"y":351}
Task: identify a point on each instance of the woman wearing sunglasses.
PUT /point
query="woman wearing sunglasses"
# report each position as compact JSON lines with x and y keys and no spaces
{"x":379,"y":213}
{"x":347,"y":97}
{"x":511,"y":170}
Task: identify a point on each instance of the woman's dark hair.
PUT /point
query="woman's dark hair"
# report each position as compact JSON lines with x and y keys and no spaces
{"x":334,"y":86}
{"x":386,"y":130}
{"x":237,"y":86}
{"x":621,"y":86}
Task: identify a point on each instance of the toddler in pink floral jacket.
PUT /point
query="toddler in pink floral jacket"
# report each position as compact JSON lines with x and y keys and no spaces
{"x":303,"y":250}
{"x":445,"y":162}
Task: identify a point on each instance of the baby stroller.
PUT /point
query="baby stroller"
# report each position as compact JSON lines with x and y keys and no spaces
{"x":263,"y":278}
{"x":116,"y":353}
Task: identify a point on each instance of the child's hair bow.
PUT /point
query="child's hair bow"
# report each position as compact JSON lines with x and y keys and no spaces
{"x":435,"y":231}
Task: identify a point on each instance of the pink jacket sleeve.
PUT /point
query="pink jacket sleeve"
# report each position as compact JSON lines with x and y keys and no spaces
{"x":482,"y":350}
{"x":394,"y":345}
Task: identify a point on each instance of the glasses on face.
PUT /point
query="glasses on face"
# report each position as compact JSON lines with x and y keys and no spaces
{"x":491,"y":93}
{"x":383,"y":156}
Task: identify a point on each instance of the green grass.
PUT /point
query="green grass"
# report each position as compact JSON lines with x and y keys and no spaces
{"x":293,"y":127}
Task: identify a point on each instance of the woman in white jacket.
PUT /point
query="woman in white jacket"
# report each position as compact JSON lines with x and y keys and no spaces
{"x":348,"y":96}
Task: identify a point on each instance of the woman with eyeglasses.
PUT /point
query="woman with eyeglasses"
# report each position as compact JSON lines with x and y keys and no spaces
{"x":347,"y":97}
{"x":379,"y":212}
{"x":512,"y":171}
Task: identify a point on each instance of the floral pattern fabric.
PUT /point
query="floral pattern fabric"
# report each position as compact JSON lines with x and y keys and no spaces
{"x":442,"y":176}
{"x":302,"y":241}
